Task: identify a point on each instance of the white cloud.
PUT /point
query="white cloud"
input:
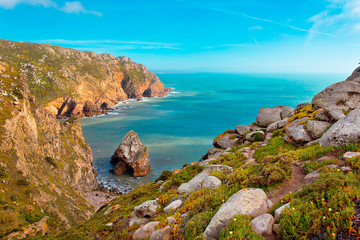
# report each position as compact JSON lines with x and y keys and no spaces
{"x":77,"y":8}
{"x":339,"y":15}
{"x":70,"y":7}
{"x":113,"y":43}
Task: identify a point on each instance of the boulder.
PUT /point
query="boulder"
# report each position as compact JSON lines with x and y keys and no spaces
{"x":323,"y":116}
{"x":161,"y":234}
{"x":311,"y":177}
{"x":196,"y":183}
{"x":214,"y":153}
{"x":340,"y":97}
{"x":146,"y":209}
{"x":263,"y":224}
{"x":174,"y":205}
{"x":211,"y":182}
{"x":241,"y":129}
{"x":346,"y":130}
{"x":140,"y":221}
{"x":145,"y":231}
{"x":348,"y":155}
{"x":296,"y":133}
{"x":225,"y":140}
{"x":250,"y":202}
{"x":268,"y":116}
{"x":317,"y":128}
{"x":91,"y":109}
{"x":280,"y":209}
{"x":131,"y":156}
{"x":277,"y":125}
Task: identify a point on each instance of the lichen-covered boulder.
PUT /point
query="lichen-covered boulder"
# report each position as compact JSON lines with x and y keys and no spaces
{"x":146,"y":209}
{"x":251,"y":202}
{"x":268,"y":116}
{"x":131,"y":156}
{"x":296,"y":133}
{"x":225,"y":140}
{"x":316,"y":128}
{"x":161,"y":234}
{"x":173,"y":205}
{"x":211,"y":182}
{"x":346,"y":130}
{"x":263,"y":224}
{"x":145,"y":231}
{"x":277,"y":125}
{"x":241,"y":129}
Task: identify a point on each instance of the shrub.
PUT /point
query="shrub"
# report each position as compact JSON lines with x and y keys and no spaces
{"x":9,"y":220}
{"x":51,"y":161}
{"x":322,"y":209}
{"x":275,"y":146}
{"x":164,"y":176}
{"x":22,"y":182}
{"x":279,"y":132}
{"x":234,"y":160}
{"x":3,"y":173}
{"x":197,"y":224}
{"x":34,"y":216}
{"x":258,"y":137}
{"x":276,"y":169}
{"x":311,"y":152}
{"x":239,"y":228}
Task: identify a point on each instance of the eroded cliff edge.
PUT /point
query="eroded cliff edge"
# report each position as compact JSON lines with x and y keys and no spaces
{"x":70,"y":83}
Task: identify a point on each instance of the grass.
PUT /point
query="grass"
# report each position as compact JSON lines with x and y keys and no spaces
{"x":275,"y":146}
{"x":239,"y":228}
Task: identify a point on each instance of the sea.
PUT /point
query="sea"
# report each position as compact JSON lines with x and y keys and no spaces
{"x":179,"y":128}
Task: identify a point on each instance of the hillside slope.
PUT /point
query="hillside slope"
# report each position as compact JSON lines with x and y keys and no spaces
{"x":69,"y":82}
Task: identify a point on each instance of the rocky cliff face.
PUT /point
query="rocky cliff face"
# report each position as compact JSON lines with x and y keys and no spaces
{"x":45,"y":165}
{"x":76,"y":83}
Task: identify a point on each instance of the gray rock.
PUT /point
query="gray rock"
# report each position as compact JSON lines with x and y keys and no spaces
{"x":340,"y":96}
{"x":301,"y":105}
{"x":348,"y":155}
{"x":280,"y":209}
{"x":174,"y":205}
{"x":214,"y":153}
{"x":140,"y":221}
{"x":323,"y":116}
{"x":241,"y":129}
{"x":161,"y":234}
{"x":146,"y":209}
{"x":263,"y":224}
{"x":196,"y":183}
{"x":225,"y":141}
{"x":268,"y":116}
{"x":145,"y":231}
{"x":355,"y":75}
{"x":312,"y":142}
{"x":277,"y":125}
{"x":171,"y":220}
{"x":250,"y":202}
{"x":346,"y":130}
{"x":296,"y":133}
{"x":311,"y":177}
{"x":316,"y":128}
{"x":269,"y":203}
{"x":211,"y":182}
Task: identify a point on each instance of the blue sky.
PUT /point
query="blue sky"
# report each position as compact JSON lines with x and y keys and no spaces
{"x":198,"y":35}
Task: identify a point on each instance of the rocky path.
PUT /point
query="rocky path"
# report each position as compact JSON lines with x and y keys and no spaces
{"x":292,"y":185}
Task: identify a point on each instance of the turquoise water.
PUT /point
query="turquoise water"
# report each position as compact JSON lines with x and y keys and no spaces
{"x":179,"y":128}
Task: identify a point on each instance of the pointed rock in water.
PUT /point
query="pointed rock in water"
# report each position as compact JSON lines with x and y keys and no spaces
{"x":131,"y":156}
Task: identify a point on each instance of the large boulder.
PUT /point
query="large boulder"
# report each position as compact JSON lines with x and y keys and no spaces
{"x":340,"y":97}
{"x":225,"y":140}
{"x":211,"y":182}
{"x":145,"y":231}
{"x":263,"y":224}
{"x":316,"y":128}
{"x":268,"y":116}
{"x":161,"y":234}
{"x":295,"y":132}
{"x":242,"y":129}
{"x":91,"y":109}
{"x":346,"y":130}
{"x":251,"y":202}
{"x":277,"y":125}
{"x":131,"y":156}
{"x":147,"y":209}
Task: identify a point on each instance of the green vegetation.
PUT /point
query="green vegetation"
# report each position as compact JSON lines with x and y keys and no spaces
{"x":239,"y":228}
{"x":164,"y":176}
{"x":275,"y":146}
{"x":258,"y":137}
{"x":197,"y":224}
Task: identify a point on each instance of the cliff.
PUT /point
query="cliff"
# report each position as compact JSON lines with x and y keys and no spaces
{"x":292,"y":174}
{"x":45,"y":166}
{"x":69,"y":82}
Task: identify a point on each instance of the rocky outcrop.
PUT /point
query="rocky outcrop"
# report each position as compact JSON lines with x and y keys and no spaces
{"x":250,"y":202}
{"x":146,"y":209}
{"x":340,"y":98}
{"x":268,"y":116}
{"x":296,"y":133}
{"x":317,"y":128}
{"x":64,"y":79}
{"x":346,"y":130}
{"x":131,"y":156}
{"x":226,"y":140}
{"x":51,"y":159}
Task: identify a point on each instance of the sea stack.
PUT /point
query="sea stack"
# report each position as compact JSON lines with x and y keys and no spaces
{"x":131,"y":156}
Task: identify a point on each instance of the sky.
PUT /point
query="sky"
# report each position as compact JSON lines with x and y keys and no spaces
{"x":264,"y":36}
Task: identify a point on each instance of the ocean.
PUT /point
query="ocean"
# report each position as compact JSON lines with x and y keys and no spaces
{"x":179,"y":128}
